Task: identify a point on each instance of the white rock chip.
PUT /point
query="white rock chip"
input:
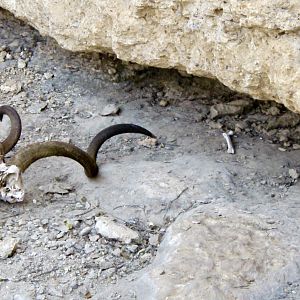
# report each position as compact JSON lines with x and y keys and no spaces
{"x":148,"y":142}
{"x":109,"y":228}
{"x":293,"y":173}
{"x":110,"y":110}
{"x":2,"y":56}
{"x":8,"y":247}
{"x":11,"y":86}
{"x":11,"y":184}
{"x":22,"y":297}
{"x":48,"y":75}
{"x":154,"y":239}
{"x":21,"y":64}
{"x":85,"y":231}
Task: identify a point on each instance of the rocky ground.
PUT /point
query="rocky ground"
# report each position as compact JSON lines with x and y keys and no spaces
{"x":193,"y":221}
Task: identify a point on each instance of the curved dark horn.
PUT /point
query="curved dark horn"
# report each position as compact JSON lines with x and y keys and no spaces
{"x":2,"y":153}
{"x":111,"y":131}
{"x":15,"y":127}
{"x":28,"y":155}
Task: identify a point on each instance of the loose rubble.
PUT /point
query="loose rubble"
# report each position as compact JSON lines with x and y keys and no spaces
{"x":235,"y":107}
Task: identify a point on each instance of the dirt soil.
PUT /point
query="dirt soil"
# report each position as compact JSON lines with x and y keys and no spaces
{"x":60,"y":95}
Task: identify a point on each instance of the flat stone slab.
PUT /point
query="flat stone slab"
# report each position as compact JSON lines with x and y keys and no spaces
{"x":109,"y":228}
{"x":219,"y":253}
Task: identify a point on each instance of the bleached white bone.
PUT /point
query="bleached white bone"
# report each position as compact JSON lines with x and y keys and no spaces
{"x":11,"y":184}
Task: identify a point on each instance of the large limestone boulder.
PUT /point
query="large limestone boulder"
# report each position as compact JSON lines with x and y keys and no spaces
{"x":251,"y":46}
{"x":222,"y":253}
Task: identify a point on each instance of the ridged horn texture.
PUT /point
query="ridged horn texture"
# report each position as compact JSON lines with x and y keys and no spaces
{"x":15,"y":127}
{"x":111,"y":131}
{"x":28,"y":155}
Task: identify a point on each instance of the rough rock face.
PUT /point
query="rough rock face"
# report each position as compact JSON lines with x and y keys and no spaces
{"x":250,"y":46}
{"x":221,"y":254}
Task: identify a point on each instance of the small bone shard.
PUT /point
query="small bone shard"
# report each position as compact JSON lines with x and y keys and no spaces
{"x":11,"y":184}
{"x":227,"y":137}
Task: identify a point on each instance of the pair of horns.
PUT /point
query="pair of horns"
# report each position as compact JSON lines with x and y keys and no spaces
{"x":31,"y":153}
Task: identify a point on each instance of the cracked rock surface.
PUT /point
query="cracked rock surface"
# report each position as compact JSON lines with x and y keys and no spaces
{"x":186,"y":211}
{"x":250,"y":46}
{"x":221,"y":253}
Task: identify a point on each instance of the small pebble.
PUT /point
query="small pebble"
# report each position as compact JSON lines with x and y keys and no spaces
{"x":60,"y":235}
{"x":296,"y":146}
{"x":85,"y":231}
{"x":94,"y":238}
{"x":110,"y":110}
{"x":293,"y":174}
{"x":163,"y":103}
{"x":44,"y":221}
{"x":48,"y":75}
{"x":2,"y":56}
{"x":154,"y":239}
{"x":21,"y":64}
{"x":21,"y":297}
{"x":132,"y":248}
{"x":148,"y":142}
{"x":8,"y":247}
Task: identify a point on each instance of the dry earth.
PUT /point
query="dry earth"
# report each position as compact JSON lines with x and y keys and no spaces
{"x":230,"y":222}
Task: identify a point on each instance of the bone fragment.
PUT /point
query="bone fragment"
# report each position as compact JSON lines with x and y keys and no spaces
{"x":227,"y":137}
{"x":11,"y":184}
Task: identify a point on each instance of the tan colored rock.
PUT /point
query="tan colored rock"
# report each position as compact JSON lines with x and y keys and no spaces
{"x":221,"y":253}
{"x":250,"y":46}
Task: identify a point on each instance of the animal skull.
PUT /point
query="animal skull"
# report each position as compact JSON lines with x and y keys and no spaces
{"x":11,"y":184}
